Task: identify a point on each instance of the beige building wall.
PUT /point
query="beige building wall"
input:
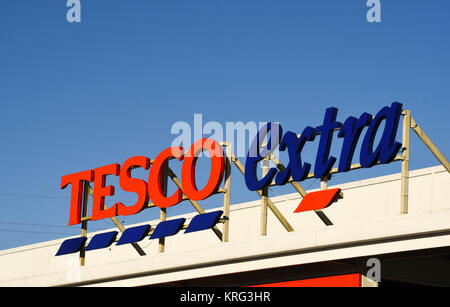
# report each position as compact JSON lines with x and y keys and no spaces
{"x":367,"y":221}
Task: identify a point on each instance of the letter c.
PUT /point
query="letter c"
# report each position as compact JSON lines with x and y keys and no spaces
{"x":155,"y":184}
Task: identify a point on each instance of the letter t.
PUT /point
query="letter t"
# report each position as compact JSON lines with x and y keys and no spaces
{"x":323,"y":163}
{"x":76,"y":197}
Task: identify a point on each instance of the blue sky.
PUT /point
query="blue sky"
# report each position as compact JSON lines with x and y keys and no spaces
{"x":76,"y":96}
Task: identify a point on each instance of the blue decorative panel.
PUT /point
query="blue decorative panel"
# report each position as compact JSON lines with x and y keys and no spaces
{"x":134,"y":234}
{"x":71,"y":246}
{"x":167,"y":228}
{"x":204,"y":221}
{"x":102,"y":240}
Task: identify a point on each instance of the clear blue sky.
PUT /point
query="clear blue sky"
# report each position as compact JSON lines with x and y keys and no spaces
{"x":82,"y":95}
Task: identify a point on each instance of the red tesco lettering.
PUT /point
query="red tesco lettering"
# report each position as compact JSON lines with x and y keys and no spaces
{"x":152,"y":190}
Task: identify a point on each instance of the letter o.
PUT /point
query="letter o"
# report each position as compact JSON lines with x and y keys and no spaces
{"x":188,"y":170}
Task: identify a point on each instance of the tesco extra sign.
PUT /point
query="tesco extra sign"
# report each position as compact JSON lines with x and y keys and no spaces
{"x":350,"y":131}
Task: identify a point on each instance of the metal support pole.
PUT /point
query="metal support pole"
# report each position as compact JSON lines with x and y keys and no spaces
{"x":264,"y":198}
{"x":84,"y":209}
{"x":119,"y":226}
{"x":282,"y":168}
{"x":323,"y":184}
{"x":163,"y":212}
{"x":300,"y":190}
{"x":226,"y":196}
{"x":405,"y":163}
{"x":194,"y":203}
{"x":431,"y":146}
{"x":320,"y":214}
{"x":270,"y":204}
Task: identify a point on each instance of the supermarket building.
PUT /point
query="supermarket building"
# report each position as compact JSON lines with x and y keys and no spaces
{"x":384,"y":231}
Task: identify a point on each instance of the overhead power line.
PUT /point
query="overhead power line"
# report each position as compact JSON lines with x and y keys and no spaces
{"x":40,"y":232}
{"x":48,"y":197}
{"x":33,"y":196}
{"x":41,"y":225}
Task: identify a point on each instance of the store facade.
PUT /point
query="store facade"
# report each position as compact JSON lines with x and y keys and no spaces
{"x":413,"y":248}
{"x":390,"y":230}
